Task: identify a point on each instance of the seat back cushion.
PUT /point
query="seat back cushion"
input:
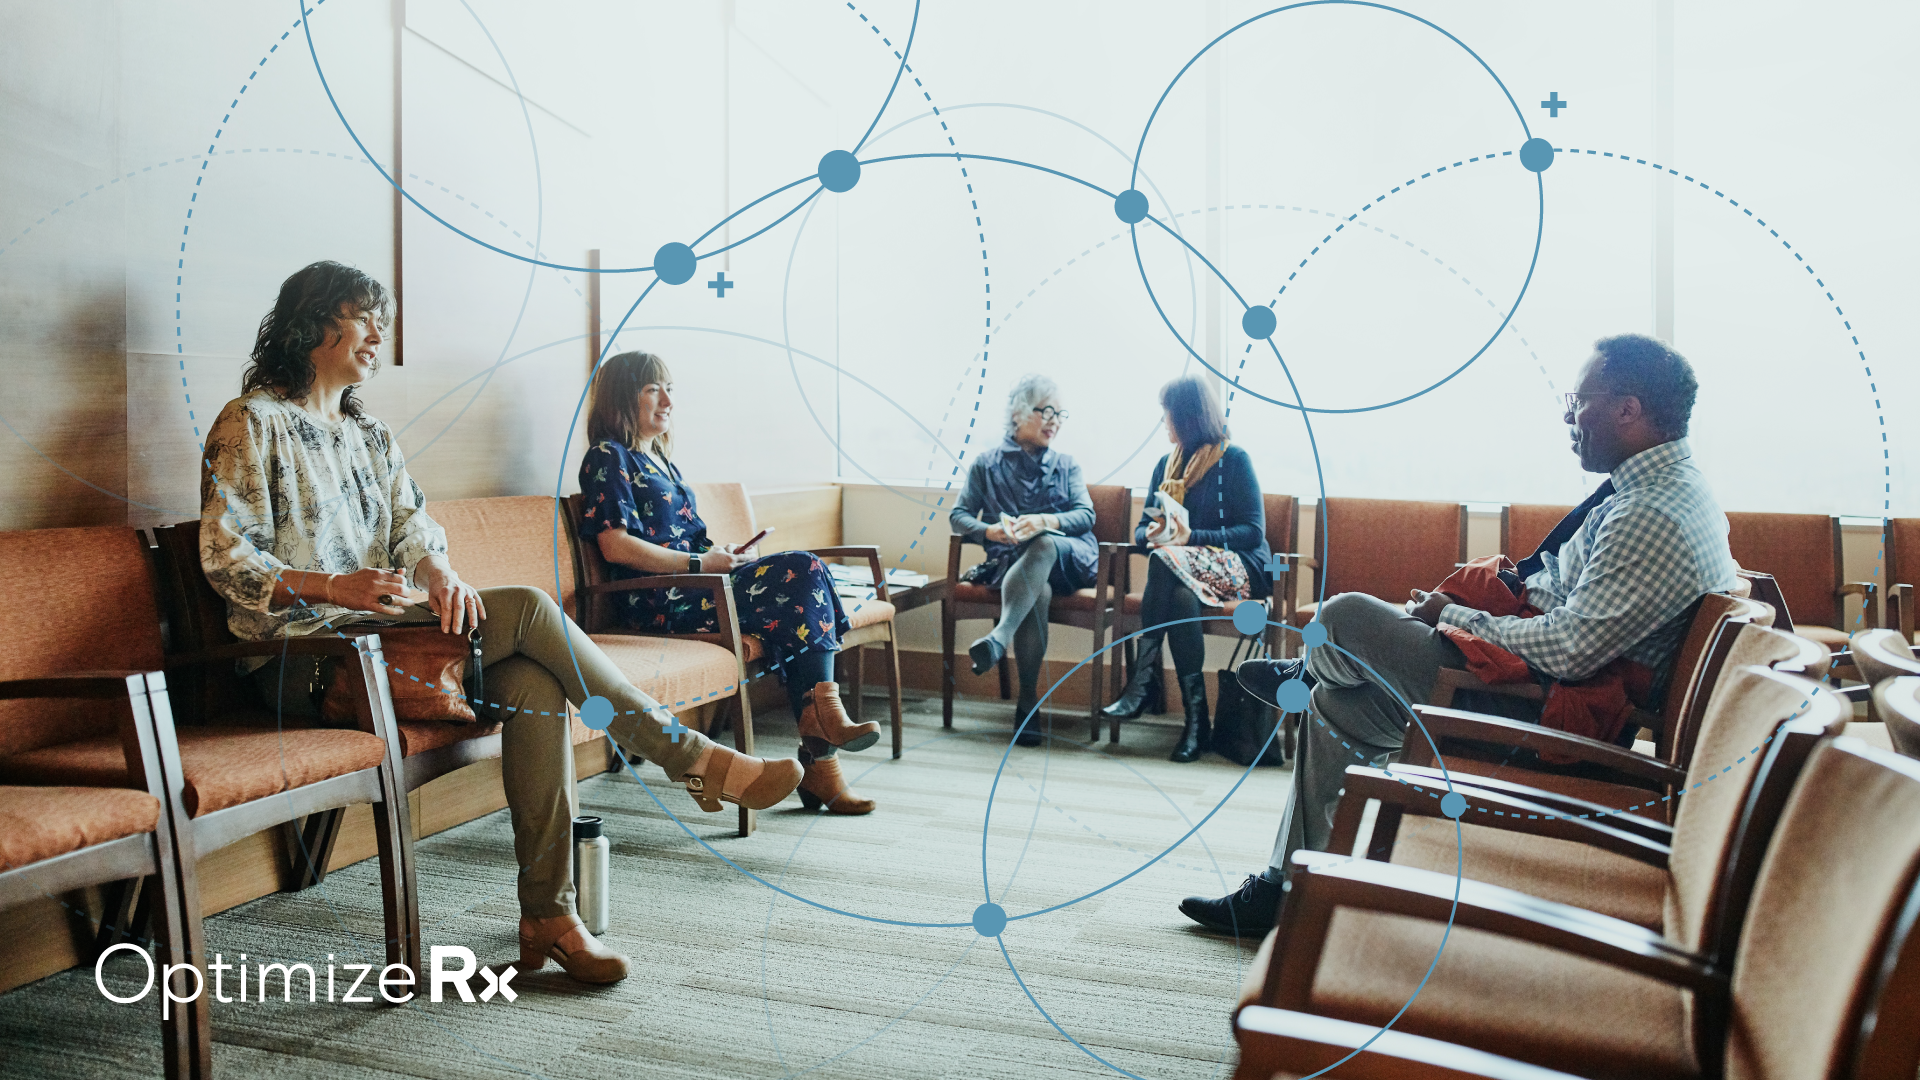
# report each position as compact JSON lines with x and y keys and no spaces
{"x":1797,"y":549}
{"x":727,"y":511}
{"x":1747,"y":708}
{"x":508,"y":540}
{"x":1880,"y":654}
{"x":96,"y":610}
{"x":1387,"y":547}
{"x":1112,"y":512}
{"x":1528,"y":524}
{"x":1282,"y":512}
{"x":1838,"y":874}
{"x":1897,"y":701}
{"x":1709,"y":616}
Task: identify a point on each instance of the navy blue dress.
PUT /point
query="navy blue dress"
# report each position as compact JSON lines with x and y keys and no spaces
{"x":786,"y":598}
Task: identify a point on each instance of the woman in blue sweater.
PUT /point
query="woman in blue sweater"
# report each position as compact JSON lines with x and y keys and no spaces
{"x":1208,"y":548}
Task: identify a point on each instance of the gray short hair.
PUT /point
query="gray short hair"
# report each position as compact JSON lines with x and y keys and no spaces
{"x":1026,"y":395}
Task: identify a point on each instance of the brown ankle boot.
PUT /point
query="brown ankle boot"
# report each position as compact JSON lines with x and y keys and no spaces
{"x":823,"y":784}
{"x":825,"y":719}
{"x":579,"y":955}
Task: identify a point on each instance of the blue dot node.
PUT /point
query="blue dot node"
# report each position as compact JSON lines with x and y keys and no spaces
{"x":839,"y":171}
{"x":1453,"y":804}
{"x":1259,"y":322}
{"x":1130,"y":206}
{"x":1249,"y":618}
{"x":1293,"y":695}
{"x":1314,"y":634}
{"x":989,"y":919}
{"x":674,"y":263}
{"x":597,"y":713}
{"x":1536,"y":154}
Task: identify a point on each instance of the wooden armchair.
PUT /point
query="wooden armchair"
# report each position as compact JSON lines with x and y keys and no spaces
{"x":1803,"y":554}
{"x":1900,"y":550}
{"x":1382,"y":547}
{"x":55,"y":839}
{"x":1112,"y":525}
{"x":1524,"y":526}
{"x":1805,"y":979}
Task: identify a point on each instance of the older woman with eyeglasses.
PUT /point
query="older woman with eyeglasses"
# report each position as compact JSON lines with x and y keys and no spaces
{"x":1026,"y":503}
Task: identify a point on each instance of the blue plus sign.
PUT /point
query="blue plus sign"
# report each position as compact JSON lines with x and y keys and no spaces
{"x":1553,"y":104}
{"x":674,"y":728}
{"x":720,"y":284}
{"x":1275,"y":563}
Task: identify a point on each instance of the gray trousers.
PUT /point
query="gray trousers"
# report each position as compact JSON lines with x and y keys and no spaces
{"x":1354,"y":718}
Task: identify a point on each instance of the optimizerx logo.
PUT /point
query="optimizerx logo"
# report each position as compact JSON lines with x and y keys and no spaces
{"x":394,"y":982}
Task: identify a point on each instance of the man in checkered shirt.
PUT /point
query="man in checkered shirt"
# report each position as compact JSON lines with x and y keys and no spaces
{"x":1616,"y":578}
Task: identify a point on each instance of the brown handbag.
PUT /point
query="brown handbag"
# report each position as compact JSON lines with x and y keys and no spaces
{"x":432,"y":675}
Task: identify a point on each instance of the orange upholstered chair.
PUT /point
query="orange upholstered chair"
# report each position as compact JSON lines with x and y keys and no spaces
{"x":1524,"y":525}
{"x":1802,"y":552}
{"x":1823,"y":983}
{"x":1382,"y":547}
{"x":1900,"y":548}
{"x":1112,"y":525}
{"x":80,"y":661}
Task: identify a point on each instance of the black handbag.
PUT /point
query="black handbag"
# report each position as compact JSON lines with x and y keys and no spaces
{"x":1243,"y":726}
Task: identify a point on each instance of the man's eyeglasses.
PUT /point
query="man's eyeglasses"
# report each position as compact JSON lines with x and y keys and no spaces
{"x":1052,"y":415}
{"x":1573,"y":400}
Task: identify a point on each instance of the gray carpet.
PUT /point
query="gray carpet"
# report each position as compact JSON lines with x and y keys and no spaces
{"x":732,"y":979}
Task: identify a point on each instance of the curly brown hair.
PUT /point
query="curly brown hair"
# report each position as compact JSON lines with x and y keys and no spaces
{"x":306,"y":313}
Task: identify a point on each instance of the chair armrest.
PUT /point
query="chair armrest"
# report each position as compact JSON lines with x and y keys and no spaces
{"x":1900,"y":613}
{"x":1647,"y":828}
{"x":1323,"y":884}
{"x":328,"y":644}
{"x":1451,"y":681}
{"x":1280,"y":1040}
{"x":702,"y":582}
{"x":1861,"y":589}
{"x":80,"y":684}
{"x":1298,"y":559}
{"x":1420,"y":795}
{"x":1451,"y":725}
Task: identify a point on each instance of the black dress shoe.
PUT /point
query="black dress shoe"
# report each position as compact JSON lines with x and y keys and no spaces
{"x":1031,"y":735}
{"x":1248,"y":912}
{"x":1262,"y":678}
{"x":985,"y":653}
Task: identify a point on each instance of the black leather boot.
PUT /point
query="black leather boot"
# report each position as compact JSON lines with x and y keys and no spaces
{"x":1146,"y":678}
{"x":1199,"y":734}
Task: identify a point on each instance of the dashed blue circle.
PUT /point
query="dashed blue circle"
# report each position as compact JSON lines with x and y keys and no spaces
{"x":839,"y":171}
{"x":1130,"y":206}
{"x":1293,"y":695}
{"x":989,"y":919}
{"x":1249,"y":619}
{"x":1536,"y":154}
{"x":1259,"y":322}
{"x":674,"y":263}
{"x":597,"y":713}
{"x":1453,"y":804}
{"x":1314,"y":634}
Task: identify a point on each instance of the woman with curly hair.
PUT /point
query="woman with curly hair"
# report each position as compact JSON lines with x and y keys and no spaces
{"x":309,"y":524}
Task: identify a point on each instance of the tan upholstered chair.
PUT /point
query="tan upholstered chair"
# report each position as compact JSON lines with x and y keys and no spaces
{"x":1898,"y":700}
{"x":1117,"y":580}
{"x":1505,"y":984}
{"x":1112,"y":524}
{"x":1382,"y":547}
{"x":1524,"y":526}
{"x":1824,"y":977}
{"x":1879,"y":655}
{"x":1803,"y":553}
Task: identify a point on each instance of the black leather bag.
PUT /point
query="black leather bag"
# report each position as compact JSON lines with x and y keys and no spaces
{"x":1243,"y":726}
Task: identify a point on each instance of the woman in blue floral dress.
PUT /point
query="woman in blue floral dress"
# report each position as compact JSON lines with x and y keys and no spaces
{"x":646,"y":521}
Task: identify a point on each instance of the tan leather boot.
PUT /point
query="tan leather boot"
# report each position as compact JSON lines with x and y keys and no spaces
{"x":825,"y":719}
{"x":719,"y":781}
{"x":823,"y":785}
{"x":565,"y":939}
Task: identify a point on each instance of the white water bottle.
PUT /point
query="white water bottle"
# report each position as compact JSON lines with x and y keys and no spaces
{"x":590,"y":874}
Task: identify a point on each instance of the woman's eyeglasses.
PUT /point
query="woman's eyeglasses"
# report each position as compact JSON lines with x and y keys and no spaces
{"x":1052,"y":415}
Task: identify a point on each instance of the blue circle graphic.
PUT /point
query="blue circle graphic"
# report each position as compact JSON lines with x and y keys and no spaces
{"x":597,"y":713}
{"x":1536,"y":154}
{"x":839,"y":171}
{"x":1130,"y":206}
{"x":1293,"y":695}
{"x":1249,"y":618}
{"x":1453,"y":804}
{"x":989,"y":919}
{"x":674,"y":263}
{"x":1259,"y":322}
{"x":1314,"y":634}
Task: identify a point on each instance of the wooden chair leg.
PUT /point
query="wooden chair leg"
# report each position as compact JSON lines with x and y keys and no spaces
{"x":858,"y":671}
{"x":743,"y":742}
{"x":893,"y":687}
{"x":946,"y":663}
{"x":116,"y":913}
{"x":1094,"y":687}
{"x":1006,"y":683}
{"x":186,"y":1034}
{"x":310,"y":847}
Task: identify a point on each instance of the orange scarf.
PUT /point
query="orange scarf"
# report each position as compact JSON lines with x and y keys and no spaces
{"x":1177,"y":487}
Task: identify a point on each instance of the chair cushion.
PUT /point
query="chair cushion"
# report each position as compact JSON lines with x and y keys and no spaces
{"x":1506,"y":997}
{"x":1873,"y":733}
{"x":1558,"y":870}
{"x":677,"y":672}
{"x":1304,"y":614}
{"x":1081,"y":600}
{"x":864,"y":613}
{"x":966,"y":592}
{"x":40,"y":822}
{"x":223,"y":766}
{"x":1834,"y":640}
{"x":420,"y":736}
